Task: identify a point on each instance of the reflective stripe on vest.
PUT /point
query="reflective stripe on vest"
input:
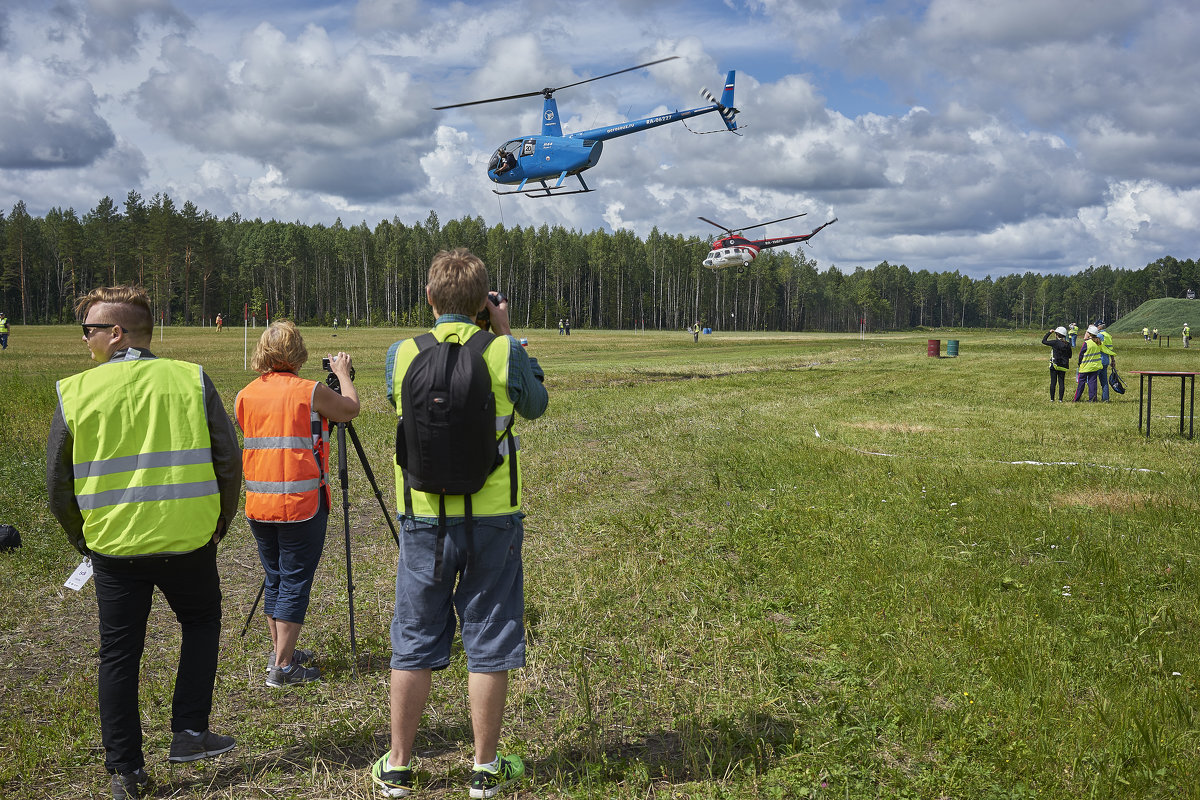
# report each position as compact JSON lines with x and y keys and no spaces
{"x":144,"y":478}
{"x":494,"y":499}
{"x":285,"y":449}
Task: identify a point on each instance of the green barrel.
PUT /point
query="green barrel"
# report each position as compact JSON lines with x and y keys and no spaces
{"x":951,"y":348}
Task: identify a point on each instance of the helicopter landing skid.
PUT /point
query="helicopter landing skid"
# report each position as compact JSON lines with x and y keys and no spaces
{"x":545,"y":190}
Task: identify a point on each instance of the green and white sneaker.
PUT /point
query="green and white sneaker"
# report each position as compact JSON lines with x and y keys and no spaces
{"x":491,"y":782}
{"x":397,"y":782}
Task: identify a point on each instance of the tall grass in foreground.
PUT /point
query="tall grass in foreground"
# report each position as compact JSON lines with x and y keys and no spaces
{"x":761,"y":566}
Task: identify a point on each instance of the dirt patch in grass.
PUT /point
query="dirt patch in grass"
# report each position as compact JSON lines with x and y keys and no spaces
{"x":1118,"y":500}
{"x":893,"y":427}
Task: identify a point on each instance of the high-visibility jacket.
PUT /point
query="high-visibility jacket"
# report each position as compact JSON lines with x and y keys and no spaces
{"x":1106,"y":344}
{"x":1090,"y":358}
{"x":285,"y":448}
{"x":497,"y":497}
{"x":3,"y":324}
{"x":142,"y":453}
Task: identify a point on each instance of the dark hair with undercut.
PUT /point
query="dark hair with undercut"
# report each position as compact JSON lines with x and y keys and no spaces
{"x":458,"y":282}
{"x":131,"y":307}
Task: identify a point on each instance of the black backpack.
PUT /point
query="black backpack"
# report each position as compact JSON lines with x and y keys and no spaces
{"x":446,"y":440}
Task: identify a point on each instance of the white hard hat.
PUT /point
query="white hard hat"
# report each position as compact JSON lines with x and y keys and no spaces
{"x":1093,"y":330}
{"x":1060,"y":330}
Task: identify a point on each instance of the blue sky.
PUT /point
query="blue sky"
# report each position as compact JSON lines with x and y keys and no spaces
{"x":1018,"y":135}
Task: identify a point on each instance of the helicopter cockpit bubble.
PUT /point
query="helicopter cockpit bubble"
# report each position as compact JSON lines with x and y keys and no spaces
{"x":505,"y":157}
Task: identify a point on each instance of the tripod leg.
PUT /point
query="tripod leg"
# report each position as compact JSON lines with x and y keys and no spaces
{"x":262,"y":587}
{"x":342,"y":476}
{"x":362,"y":457}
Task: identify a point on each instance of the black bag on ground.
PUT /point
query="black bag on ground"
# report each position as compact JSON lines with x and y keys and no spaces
{"x":10,"y":539}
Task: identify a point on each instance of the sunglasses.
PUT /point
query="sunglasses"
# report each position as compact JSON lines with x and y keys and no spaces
{"x":88,"y":327}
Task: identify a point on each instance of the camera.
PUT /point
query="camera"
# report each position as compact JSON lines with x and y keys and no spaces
{"x":331,"y":380}
{"x":485,"y":315}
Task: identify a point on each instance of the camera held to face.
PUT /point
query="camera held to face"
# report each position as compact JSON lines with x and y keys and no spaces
{"x":485,"y":316}
{"x":331,"y":380}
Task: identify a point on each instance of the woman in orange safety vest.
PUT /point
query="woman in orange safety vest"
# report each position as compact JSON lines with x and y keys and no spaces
{"x":285,"y":459}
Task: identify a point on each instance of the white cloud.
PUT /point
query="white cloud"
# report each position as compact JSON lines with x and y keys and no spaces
{"x":943,"y":134}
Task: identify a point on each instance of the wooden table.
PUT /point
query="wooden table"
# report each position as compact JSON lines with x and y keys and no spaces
{"x":1146,"y":389}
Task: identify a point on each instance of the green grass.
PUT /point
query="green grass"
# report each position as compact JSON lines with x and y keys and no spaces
{"x":761,"y":566}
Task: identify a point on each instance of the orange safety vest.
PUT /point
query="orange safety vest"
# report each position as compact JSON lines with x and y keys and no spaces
{"x":285,"y":448}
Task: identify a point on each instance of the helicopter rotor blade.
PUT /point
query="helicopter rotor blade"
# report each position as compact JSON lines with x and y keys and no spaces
{"x":722,"y":227}
{"x":492,"y":100}
{"x":548,"y":91}
{"x":772,"y":222}
{"x":618,"y":72}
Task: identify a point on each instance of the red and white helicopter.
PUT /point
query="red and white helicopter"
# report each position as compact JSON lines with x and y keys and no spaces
{"x":735,"y":250}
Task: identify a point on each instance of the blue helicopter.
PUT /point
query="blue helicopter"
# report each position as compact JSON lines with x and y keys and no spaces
{"x":531,"y":162}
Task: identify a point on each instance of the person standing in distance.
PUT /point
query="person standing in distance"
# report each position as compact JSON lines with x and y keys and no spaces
{"x":285,"y":425}
{"x":482,"y":577}
{"x":3,"y":331}
{"x":1107,"y":356}
{"x":1060,"y":360}
{"x":1088,"y":364}
{"x":144,"y":475}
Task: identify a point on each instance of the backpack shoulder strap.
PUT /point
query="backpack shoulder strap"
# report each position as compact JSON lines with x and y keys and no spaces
{"x":425,"y":341}
{"x":481,"y":341}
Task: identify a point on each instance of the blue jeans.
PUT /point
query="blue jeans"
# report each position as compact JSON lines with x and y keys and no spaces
{"x":1102,"y":376}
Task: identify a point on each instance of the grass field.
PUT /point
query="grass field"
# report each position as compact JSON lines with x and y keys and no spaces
{"x":760,"y":566}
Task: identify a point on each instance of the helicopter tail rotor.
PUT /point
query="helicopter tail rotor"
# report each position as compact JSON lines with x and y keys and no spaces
{"x":725,"y":104}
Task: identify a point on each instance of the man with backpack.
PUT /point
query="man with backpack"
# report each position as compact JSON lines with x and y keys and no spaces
{"x":458,"y":477}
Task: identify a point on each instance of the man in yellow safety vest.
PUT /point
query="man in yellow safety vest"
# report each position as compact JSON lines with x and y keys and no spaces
{"x":144,"y":474}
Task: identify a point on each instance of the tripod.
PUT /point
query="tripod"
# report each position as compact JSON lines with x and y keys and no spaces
{"x":343,"y":477}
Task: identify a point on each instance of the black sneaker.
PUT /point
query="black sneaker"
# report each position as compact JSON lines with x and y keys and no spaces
{"x":298,"y":657}
{"x":131,"y":784}
{"x":188,"y":746}
{"x":489,"y":783}
{"x":292,"y":675}
{"x":392,"y":782}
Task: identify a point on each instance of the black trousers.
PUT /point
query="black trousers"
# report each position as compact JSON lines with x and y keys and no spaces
{"x":124,"y":594}
{"x":1057,"y":378}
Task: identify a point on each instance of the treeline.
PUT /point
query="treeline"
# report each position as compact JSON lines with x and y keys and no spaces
{"x":195,"y":265}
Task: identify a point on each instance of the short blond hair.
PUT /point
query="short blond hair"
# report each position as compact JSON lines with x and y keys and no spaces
{"x":280,"y":349}
{"x":458,"y":282}
{"x":131,"y":307}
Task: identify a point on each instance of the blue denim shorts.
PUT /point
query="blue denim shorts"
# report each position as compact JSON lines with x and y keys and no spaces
{"x":484,"y":592}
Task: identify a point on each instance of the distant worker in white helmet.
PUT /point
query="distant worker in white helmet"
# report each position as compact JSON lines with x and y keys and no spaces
{"x":1060,"y":360}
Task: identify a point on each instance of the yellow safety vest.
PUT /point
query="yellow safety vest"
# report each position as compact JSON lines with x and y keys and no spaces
{"x":1091,"y":357}
{"x":1106,"y":344}
{"x":3,"y":324}
{"x":495,"y":498}
{"x":142,"y":453}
